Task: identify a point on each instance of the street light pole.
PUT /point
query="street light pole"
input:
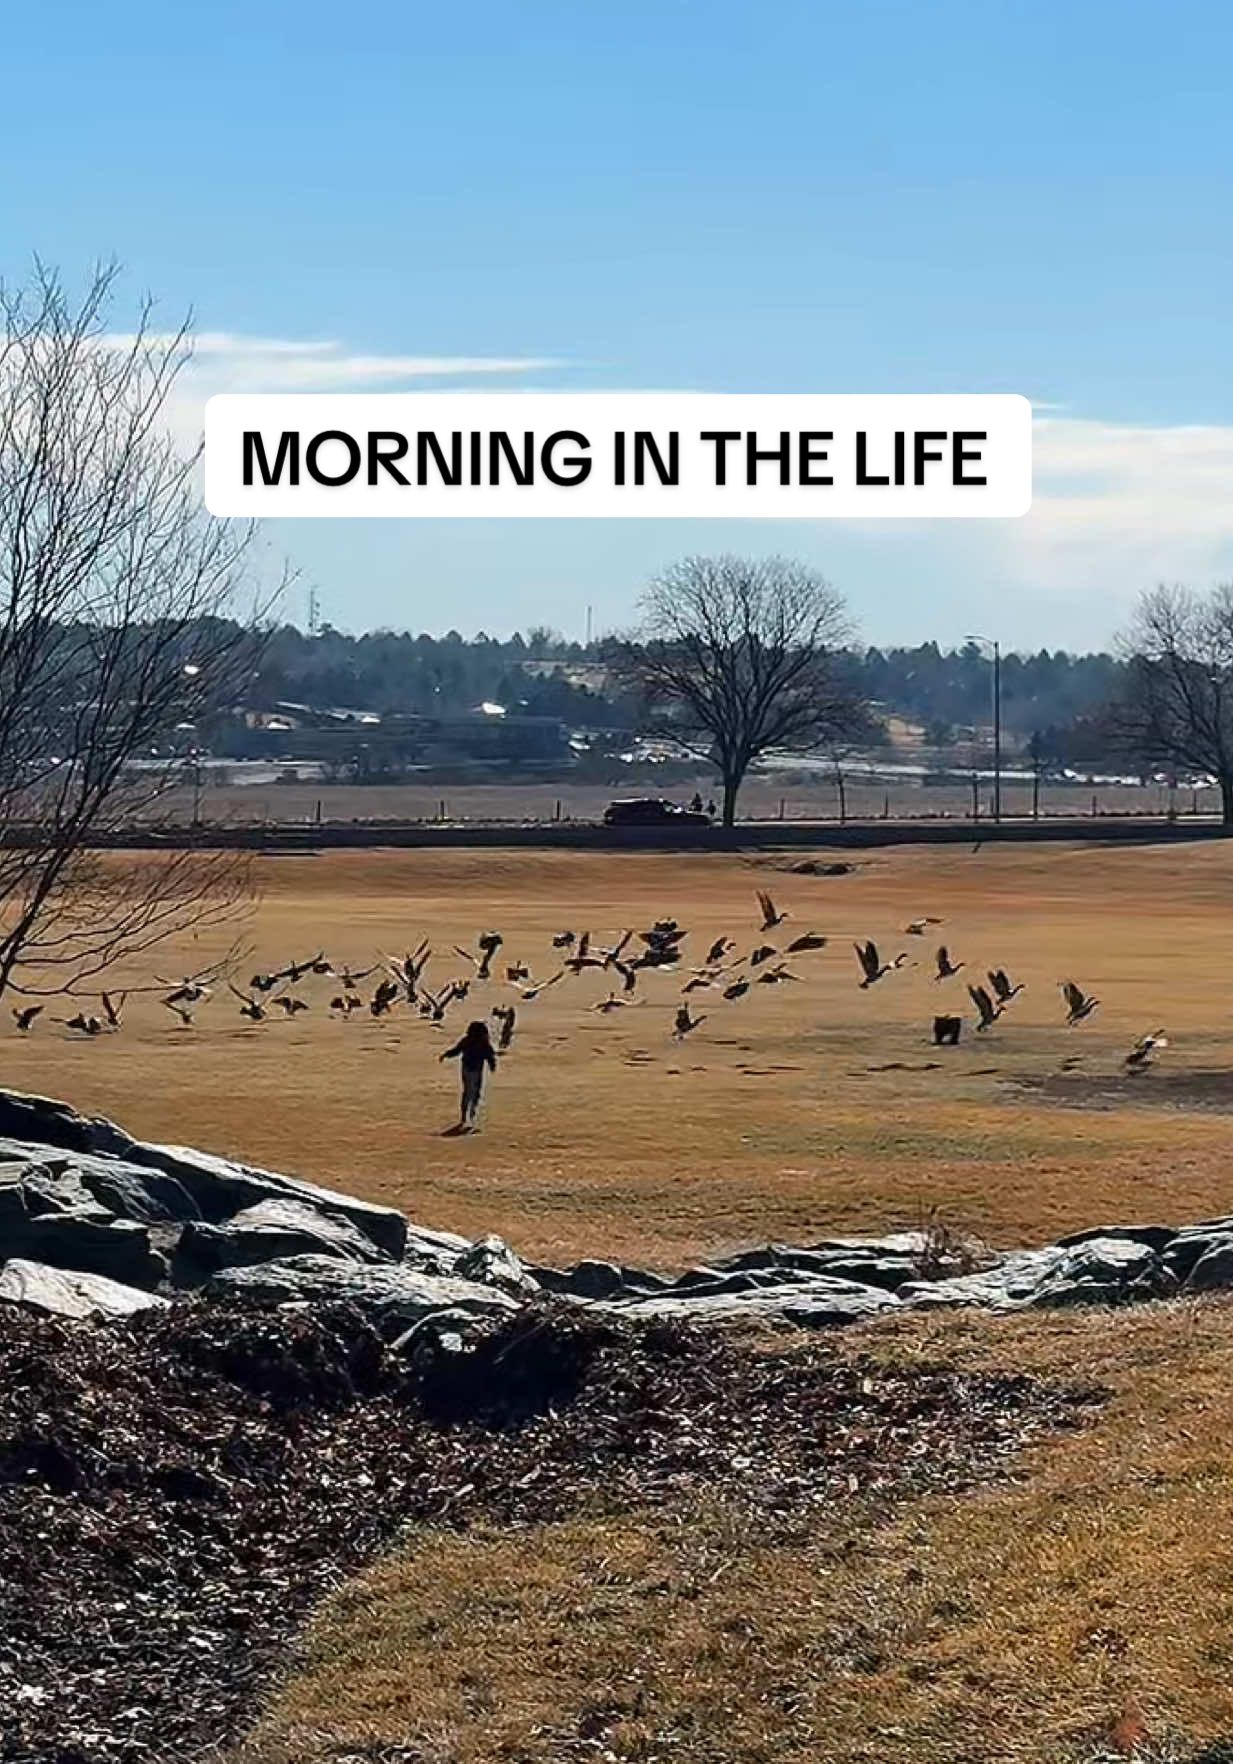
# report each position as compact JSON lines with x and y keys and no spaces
{"x":996,"y":647}
{"x":997,"y":731}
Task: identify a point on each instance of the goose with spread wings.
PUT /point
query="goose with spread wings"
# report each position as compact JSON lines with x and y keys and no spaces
{"x":1079,"y":1004}
{"x":1003,"y":991}
{"x":770,"y":917}
{"x":946,"y":968}
{"x":987,"y":1013}
{"x":1141,"y":1054}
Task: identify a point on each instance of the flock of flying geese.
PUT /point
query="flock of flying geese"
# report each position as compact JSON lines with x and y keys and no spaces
{"x":730,"y":976}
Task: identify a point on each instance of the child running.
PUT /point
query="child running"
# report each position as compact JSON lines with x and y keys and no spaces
{"x":476,"y":1051}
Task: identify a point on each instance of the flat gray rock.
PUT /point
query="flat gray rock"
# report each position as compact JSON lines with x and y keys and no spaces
{"x":200,"y":1185}
{"x":393,"y":1295}
{"x":1193,"y":1244}
{"x":48,"y":1215}
{"x":271,"y":1231}
{"x":885,"y":1262}
{"x":1156,"y":1237}
{"x":810,"y":1303}
{"x":61,"y":1292}
{"x":1213,"y":1272}
{"x":1094,"y":1271}
{"x":594,"y":1279}
{"x":433,"y":1251}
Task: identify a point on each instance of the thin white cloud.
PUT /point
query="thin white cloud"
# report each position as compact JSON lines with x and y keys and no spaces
{"x":229,"y":361}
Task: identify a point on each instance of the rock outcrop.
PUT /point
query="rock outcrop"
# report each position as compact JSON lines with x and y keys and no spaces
{"x":61,"y":1292}
{"x":93,"y":1222}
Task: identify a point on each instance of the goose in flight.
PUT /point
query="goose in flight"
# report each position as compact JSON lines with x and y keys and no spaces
{"x":387,"y":991}
{"x":533,"y":991}
{"x":295,"y":971}
{"x":946,"y":968}
{"x":507,"y":1017}
{"x":489,"y":943}
{"x":737,"y":989}
{"x":344,"y":1003}
{"x":350,"y":978}
{"x":183,"y":1011}
{"x":657,"y":957}
{"x":249,"y":1007}
{"x":807,"y":940}
{"x":918,"y":927}
{"x":289,"y":1004}
{"x":409,"y":971}
{"x":263,"y":983}
{"x":1078,"y":1003}
{"x":766,"y":906}
{"x":188,"y":992}
{"x":999,"y":979}
{"x":517,"y":971}
{"x":565,"y":940}
{"x":661,"y":940}
{"x":763,"y":953}
{"x":1141,"y":1053}
{"x":684,"y":1024}
{"x":946,"y":1031}
{"x":718,"y":950}
{"x":773,"y":976}
{"x":702,"y":978}
{"x":872,"y":967}
{"x":576,"y":963}
{"x":628,"y":972}
{"x":87,"y":1025}
{"x":24,"y":1015}
{"x":435,"y":1005}
{"x":611,"y":1003}
{"x":112,"y":1008}
{"x":987,"y":1012}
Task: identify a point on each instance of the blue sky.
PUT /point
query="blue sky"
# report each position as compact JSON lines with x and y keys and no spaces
{"x":776,"y":197}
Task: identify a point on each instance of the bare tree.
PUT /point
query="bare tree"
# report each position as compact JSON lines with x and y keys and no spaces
{"x":739,"y":656}
{"x":116,"y":631}
{"x":1176,"y":707}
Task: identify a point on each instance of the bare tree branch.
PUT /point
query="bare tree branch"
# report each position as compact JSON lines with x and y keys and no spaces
{"x":118,"y":634}
{"x":1176,"y":709}
{"x":739,"y":656}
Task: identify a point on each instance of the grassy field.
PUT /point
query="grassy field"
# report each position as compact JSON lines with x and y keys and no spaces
{"x":801,"y":1108}
{"x":1087,"y":1596}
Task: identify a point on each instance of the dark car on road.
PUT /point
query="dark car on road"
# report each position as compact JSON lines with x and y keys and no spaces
{"x":651,"y":811}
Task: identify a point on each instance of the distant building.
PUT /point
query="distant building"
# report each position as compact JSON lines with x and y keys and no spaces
{"x":487,"y":738}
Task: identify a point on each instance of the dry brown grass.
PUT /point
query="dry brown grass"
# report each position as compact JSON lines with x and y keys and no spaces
{"x":794,"y":1111}
{"x":1015,"y":1624}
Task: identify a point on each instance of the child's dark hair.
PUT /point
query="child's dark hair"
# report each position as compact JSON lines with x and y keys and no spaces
{"x":477,"y":1031}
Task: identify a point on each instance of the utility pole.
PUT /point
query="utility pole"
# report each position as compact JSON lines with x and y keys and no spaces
{"x":997,"y":731}
{"x":996,"y":648}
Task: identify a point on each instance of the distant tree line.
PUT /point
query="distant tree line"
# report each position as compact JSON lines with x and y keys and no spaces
{"x":422,"y":675}
{"x":385,"y":671}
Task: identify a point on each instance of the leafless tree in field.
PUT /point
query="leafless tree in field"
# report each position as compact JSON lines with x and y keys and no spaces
{"x":740,"y":656}
{"x":1176,"y":708}
{"x":118,"y":597}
